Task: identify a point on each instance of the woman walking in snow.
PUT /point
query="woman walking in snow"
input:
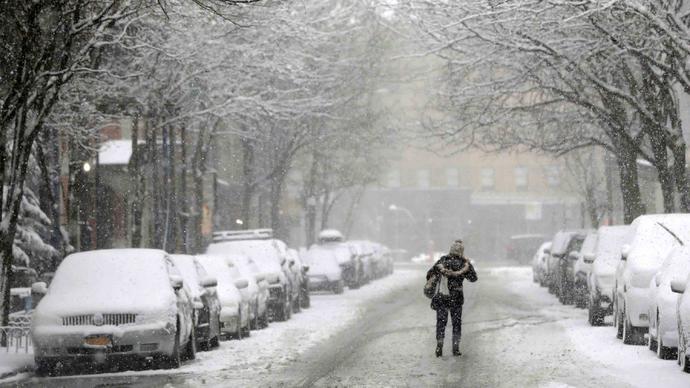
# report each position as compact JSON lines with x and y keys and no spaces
{"x":446,"y":277}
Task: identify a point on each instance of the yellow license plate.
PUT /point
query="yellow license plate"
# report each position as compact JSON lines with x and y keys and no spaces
{"x":97,"y":341}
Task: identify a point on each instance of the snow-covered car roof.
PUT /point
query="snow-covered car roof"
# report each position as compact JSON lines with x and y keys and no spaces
{"x":331,"y":235}
{"x":677,"y":264}
{"x":264,"y":252}
{"x":111,"y":280}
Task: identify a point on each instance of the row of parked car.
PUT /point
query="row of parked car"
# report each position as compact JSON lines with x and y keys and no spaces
{"x":120,"y":305}
{"x":638,"y":273}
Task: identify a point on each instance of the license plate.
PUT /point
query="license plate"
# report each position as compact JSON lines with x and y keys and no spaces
{"x":97,"y":341}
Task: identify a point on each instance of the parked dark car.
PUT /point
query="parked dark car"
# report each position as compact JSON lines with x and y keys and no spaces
{"x":521,"y":247}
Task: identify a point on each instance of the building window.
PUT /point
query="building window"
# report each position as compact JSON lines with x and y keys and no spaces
{"x":452,"y":177}
{"x":553,"y":176}
{"x":394,"y":179}
{"x":487,"y":178}
{"x":423,"y":179}
{"x":521,"y":178}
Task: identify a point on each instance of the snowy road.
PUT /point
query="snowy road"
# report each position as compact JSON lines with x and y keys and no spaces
{"x":514,"y":335}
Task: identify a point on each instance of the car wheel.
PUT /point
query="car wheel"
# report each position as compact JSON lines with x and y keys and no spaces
{"x":288,"y":308}
{"x":297,"y":304}
{"x":264,"y":320}
{"x":651,"y":343}
{"x":304,"y":300}
{"x":662,"y":351}
{"x":190,"y":348}
{"x":630,"y":332}
{"x":255,"y":320}
{"x":239,"y":333}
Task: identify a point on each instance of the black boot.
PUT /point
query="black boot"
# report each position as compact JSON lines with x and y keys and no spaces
{"x":456,"y":348}
{"x":439,"y":349}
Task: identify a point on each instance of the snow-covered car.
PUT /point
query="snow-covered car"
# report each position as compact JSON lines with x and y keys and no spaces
{"x":560,"y":263}
{"x":300,"y":272}
{"x":521,"y":247}
{"x":202,"y":289}
{"x":663,"y":322}
{"x":648,"y":242}
{"x":325,"y":273}
{"x":383,"y":260}
{"x":559,"y":246}
{"x":234,"y":309}
{"x":107,"y":305}
{"x":364,"y":252}
{"x":255,"y":276}
{"x":294,"y":277}
{"x":263,"y":250}
{"x":602,"y":277}
{"x":682,"y":287}
{"x":539,"y":263}
{"x":581,"y":269}
{"x":347,"y":259}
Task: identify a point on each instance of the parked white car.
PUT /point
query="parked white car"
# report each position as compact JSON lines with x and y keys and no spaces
{"x":325,"y":273}
{"x":602,"y":277}
{"x":682,"y":287}
{"x":256,"y":278}
{"x":663,"y":323}
{"x":234,"y":309}
{"x":202,"y":289}
{"x":648,"y":242}
{"x":299,"y":270}
{"x":539,"y":263}
{"x":347,"y":259}
{"x":112,"y":304}
{"x":582,"y":269}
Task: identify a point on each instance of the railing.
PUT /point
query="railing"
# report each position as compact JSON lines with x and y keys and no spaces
{"x":15,"y":339}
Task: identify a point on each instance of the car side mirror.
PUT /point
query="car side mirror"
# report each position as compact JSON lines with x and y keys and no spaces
{"x":588,"y":258}
{"x":176,"y":282}
{"x":573,"y":255}
{"x":678,"y":286}
{"x":241,"y":283}
{"x":625,"y":251}
{"x":209,"y":282}
{"x":40,"y":288}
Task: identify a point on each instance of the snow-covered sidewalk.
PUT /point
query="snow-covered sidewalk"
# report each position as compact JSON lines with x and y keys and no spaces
{"x":12,"y":363}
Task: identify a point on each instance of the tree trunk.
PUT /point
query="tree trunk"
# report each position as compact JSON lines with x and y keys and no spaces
{"x":629,"y":185}
{"x":660,"y":152}
{"x":277,"y":184}
{"x":247,"y":180}
{"x":138,"y":181}
{"x":184,"y":199}
{"x":680,"y":174}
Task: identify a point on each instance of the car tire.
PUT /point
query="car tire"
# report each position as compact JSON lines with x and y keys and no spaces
{"x":239,"y":333}
{"x":595,"y":315}
{"x":263,"y":321}
{"x":305,"y":301}
{"x":630,"y":332}
{"x":617,"y":319}
{"x":662,"y":352}
{"x":190,"y":348}
{"x":297,"y":304}
{"x":288,"y":308}
{"x":255,"y":321}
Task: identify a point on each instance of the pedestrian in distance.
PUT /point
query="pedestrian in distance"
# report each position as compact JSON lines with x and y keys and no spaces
{"x":444,"y":286}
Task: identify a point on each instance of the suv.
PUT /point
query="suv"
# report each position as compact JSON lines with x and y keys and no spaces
{"x":581,"y":269}
{"x":561,"y":245}
{"x":648,"y":242}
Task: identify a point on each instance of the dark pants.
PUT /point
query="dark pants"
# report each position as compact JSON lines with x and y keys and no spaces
{"x":455,"y":310}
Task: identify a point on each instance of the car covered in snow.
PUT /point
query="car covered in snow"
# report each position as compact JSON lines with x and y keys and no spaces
{"x":648,"y":242}
{"x":560,"y":261}
{"x":521,"y":247}
{"x":347,"y":259}
{"x":581,"y":269}
{"x":325,"y":272}
{"x":234,"y":309}
{"x":539,"y":263}
{"x":681,"y":287}
{"x":383,"y":260}
{"x":602,"y":277}
{"x":249,"y":270}
{"x":259,"y":245}
{"x":299,"y":269}
{"x":106,"y":305}
{"x":202,"y":289}
{"x":663,"y":323}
